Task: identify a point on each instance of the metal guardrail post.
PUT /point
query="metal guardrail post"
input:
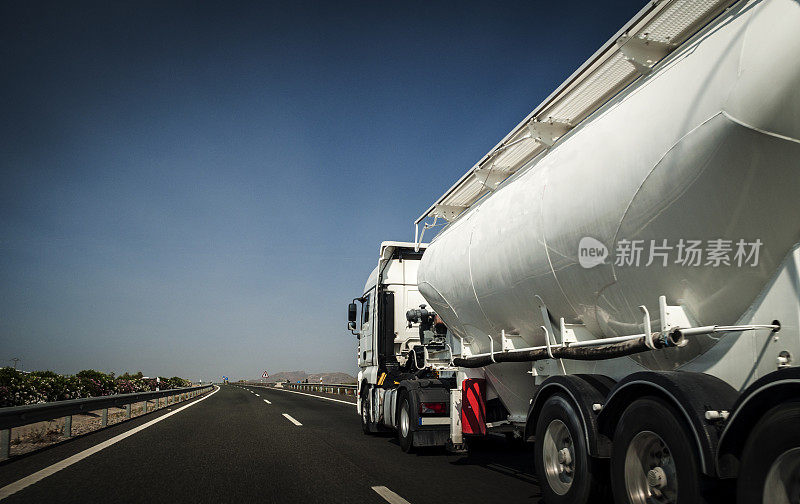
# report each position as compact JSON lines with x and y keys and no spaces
{"x":104,"y":421}
{"x":128,"y":411}
{"x":5,"y":444}
{"x":68,"y":426}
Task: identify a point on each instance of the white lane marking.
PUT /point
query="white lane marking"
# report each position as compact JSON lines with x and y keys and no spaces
{"x":289,"y":417}
{"x":258,"y":395}
{"x":318,"y":397}
{"x":267,"y":401}
{"x":389,"y":496}
{"x":29,"y":480}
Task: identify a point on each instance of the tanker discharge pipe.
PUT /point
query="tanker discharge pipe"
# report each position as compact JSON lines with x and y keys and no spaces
{"x":631,"y":346}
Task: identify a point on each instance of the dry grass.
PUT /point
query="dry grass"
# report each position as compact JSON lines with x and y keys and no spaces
{"x":38,"y":435}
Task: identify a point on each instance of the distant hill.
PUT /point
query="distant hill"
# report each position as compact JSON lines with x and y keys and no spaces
{"x":295,"y":376}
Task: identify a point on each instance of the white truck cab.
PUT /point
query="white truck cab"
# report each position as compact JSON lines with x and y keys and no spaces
{"x":397,"y":369}
{"x":390,"y":291}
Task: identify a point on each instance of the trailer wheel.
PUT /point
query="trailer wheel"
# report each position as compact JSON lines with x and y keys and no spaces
{"x":770,"y":468}
{"x":405,"y":436}
{"x":566,"y":472}
{"x":653,"y":459}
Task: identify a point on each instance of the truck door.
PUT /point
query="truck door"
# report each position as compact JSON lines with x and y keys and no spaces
{"x":366,"y":355}
{"x":385,"y":327}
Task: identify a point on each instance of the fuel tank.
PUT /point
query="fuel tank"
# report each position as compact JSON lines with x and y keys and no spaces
{"x":685,"y":184}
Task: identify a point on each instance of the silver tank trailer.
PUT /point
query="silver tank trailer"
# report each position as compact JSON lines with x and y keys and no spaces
{"x":703,"y":148}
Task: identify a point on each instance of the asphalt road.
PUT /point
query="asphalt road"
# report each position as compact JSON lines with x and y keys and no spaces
{"x":235,"y":447}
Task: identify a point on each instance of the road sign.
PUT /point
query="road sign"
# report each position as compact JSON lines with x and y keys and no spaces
{"x":265,"y":375}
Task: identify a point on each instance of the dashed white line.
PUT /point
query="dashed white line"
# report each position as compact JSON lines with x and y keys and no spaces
{"x":267,"y":401}
{"x":389,"y":496}
{"x":48,"y":471}
{"x":318,"y":397}
{"x":289,"y":417}
{"x":258,"y":395}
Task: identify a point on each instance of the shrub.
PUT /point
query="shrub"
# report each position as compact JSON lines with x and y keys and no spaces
{"x":17,"y":389}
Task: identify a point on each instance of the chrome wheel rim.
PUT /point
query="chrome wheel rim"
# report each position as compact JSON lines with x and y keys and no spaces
{"x":782,"y":485}
{"x":364,"y":417}
{"x":650,"y":473}
{"x":405,"y":423}
{"x":558,"y":452}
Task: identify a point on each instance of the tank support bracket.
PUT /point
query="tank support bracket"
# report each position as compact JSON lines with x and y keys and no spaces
{"x":648,"y":331}
{"x":547,"y":132}
{"x":641,"y":52}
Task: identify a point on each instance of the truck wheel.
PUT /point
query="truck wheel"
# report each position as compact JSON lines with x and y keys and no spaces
{"x":566,"y":472}
{"x":653,"y":458}
{"x":367,"y":425}
{"x":405,"y":436}
{"x":770,"y":469}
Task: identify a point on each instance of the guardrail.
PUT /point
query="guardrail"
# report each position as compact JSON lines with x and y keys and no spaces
{"x":330,"y":388}
{"x":17,"y":416}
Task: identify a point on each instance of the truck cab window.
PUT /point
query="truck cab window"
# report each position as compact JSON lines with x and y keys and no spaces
{"x":365,"y":310}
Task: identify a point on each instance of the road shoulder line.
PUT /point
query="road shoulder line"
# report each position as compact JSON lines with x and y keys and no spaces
{"x":29,"y":480}
{"x":318,"y":397}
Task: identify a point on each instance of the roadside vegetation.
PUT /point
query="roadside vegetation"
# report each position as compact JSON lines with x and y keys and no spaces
{"x":18,"y":388}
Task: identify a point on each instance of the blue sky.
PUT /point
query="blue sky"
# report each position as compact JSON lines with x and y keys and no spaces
{"x":199,"y":188}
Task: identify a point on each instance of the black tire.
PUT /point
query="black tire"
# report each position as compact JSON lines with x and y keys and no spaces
{"x":772,"y":450}
{"x":650,"y":437}
{"x":575,"y":479}
{"x":367,"y":426}
{"x":405,"y":434}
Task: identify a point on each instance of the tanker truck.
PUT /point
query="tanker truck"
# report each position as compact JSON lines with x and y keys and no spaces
{"x":617,"y":281}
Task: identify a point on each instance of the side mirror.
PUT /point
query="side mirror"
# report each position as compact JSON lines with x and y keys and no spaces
{"x":352,"y":326}
{"x":352,"y":312}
